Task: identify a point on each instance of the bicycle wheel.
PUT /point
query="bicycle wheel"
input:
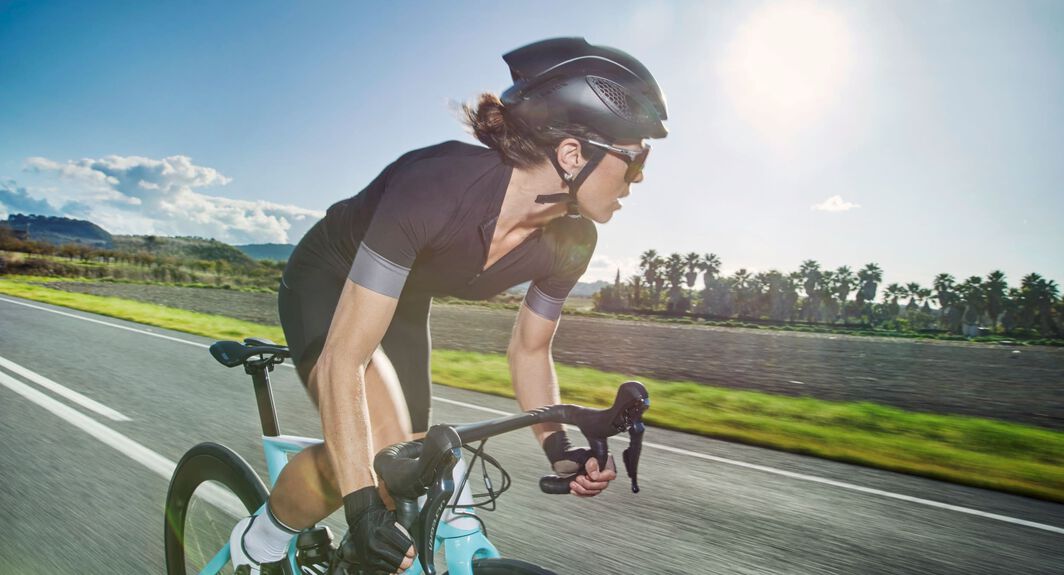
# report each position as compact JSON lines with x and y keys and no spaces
{"x":507,"y":567}
{"x":211,"y":490}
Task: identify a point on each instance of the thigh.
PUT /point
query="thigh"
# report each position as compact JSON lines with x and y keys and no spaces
{"x":306,"y":301}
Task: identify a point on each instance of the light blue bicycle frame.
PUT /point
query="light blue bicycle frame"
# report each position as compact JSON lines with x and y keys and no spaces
{"x":460,"y":546}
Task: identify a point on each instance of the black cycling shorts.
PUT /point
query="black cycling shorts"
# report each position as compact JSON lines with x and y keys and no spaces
{"x":306,"y":300}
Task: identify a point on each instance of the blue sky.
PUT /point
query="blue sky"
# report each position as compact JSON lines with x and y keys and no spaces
{"x":924,"y":136}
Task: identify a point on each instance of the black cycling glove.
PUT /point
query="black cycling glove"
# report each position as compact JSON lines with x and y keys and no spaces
{"x":564,"y":458}
{"x":374,"y":539}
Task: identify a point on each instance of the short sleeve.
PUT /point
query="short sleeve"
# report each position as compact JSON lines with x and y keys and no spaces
{"x":406,"y":220}
{"x":574,"y":243}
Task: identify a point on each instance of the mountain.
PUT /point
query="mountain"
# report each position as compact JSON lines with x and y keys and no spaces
{"x":56,"y":230}
{"x":276,"y":252}
{"x":182,"y":247}
{"x":581,"y":289}
{"x":584,"y":289}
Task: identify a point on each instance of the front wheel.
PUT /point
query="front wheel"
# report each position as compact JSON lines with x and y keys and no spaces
{"x":211,"y":490}
{"x":507,"y":567}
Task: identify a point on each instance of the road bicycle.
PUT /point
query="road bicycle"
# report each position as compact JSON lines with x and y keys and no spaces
{"x":213,"y":487}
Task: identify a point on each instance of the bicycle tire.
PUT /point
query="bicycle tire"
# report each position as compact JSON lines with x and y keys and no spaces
{"x":205,"y":462}
{"x":507,"y":567}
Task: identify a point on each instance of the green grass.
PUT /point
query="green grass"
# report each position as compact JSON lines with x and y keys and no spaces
{"x":166,"y":317}
{"x":966,"y":450}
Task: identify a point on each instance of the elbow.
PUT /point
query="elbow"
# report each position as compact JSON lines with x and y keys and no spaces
{"x":337,"y":371}
{"x":519,"y":348}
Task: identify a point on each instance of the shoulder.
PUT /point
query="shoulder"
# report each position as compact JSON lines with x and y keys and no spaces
{"x":573,"y":241}
{"x":450,"y":157}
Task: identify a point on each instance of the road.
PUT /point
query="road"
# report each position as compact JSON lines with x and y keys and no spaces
{"x":82,"y":491}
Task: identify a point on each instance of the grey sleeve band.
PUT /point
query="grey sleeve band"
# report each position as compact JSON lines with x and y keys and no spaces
{"x":542,"y":304}
{"x":373,"y":271}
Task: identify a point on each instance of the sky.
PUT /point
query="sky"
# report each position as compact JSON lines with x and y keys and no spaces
{"x":924,"y":136}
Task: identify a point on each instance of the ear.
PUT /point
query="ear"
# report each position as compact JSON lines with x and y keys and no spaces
{"x":570,"y":156}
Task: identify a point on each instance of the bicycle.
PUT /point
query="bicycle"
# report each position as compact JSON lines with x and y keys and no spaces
{"x":426,"y":469}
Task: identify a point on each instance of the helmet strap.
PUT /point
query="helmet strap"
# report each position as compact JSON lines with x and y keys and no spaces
{"x":573,"y":183}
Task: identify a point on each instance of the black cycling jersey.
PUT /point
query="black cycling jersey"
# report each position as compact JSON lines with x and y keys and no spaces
{"x":423,"y":228}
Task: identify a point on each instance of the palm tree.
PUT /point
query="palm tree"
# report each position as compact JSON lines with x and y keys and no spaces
{"x":648,"y":266}
{"x":810,"y":271}
{"x":692,"y":261}
{"x":826,"y":293}
{"x":674,"y":267}
{"x":995,"y":289}
{"x":891,"y":294}
{"x":912,"y":290}
{"x":946,"y":295}
{"x":845,"y":282}
{"x":650,"y":263}
{"x":944,"y":284}
{"x":740,"y":286}
{"x":869,"y":278}
{"x":710,"y":266}
{"x":636,"y":282}
{"x":971,"y":293}
{"x":1039,"y":297}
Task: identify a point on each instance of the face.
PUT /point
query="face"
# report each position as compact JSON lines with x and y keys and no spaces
{"x":600,"y":195}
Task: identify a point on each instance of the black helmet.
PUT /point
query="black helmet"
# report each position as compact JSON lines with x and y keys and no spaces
{"x":566,"y":82}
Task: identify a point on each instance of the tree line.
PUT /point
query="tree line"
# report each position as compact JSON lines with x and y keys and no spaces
{"x":691,"y":285}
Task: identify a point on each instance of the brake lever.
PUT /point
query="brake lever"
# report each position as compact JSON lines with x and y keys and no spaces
{"x":631,"y":454}
{"x":631,"y":418}
{"x":437,"y":499}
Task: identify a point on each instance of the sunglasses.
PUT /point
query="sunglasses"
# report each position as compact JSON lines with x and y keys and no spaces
{"x":635,"y":159}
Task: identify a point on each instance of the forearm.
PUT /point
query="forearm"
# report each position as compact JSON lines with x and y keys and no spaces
{"x":535,"y":383}
{"x":345,"y":422}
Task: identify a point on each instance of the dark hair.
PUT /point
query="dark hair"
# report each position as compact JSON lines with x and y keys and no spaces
{"x":518,"y":144}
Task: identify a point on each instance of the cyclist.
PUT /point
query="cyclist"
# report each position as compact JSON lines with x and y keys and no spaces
{"x":564,"y":143}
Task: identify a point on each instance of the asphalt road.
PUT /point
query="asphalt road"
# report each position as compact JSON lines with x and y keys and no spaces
{"x":81,"y":492}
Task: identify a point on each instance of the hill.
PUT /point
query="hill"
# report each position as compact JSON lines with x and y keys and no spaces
{"x":182,"y":247}
{"x":56,"y":230}
{"x":276,"y":252}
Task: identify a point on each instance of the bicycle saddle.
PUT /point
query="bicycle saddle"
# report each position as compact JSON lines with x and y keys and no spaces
{"x":232,"y":353}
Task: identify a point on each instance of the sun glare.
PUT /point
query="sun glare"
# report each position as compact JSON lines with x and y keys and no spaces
{"x":786,"y":64}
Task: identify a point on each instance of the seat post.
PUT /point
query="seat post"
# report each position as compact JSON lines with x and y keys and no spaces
{"x":259,"y":371}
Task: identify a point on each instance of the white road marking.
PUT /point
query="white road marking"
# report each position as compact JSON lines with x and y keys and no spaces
{"x":156,"y":463}
{"x":63,"y":391}
{"x":107,"y":323}
{"x":765,"y":469}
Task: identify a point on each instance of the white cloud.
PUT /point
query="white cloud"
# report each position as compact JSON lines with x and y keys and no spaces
{"x":137,"y":195}
{"x":835,"y":204}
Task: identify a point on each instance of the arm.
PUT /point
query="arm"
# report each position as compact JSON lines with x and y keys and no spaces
{"x":532,"y":367}
{"x":362,"y":316}
{"x":536,"y":384}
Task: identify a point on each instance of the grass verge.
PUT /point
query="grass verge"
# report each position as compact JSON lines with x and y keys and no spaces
{"x":972,"y":451}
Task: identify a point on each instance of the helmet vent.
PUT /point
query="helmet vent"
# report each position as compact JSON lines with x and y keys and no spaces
{"x":613,"y":94}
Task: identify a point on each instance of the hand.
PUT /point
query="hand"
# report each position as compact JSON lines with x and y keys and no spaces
{"x":596,"y":480}
{"x":375,"y":540}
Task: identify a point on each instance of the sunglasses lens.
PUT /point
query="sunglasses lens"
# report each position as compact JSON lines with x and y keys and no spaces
{"x":635,"y":167}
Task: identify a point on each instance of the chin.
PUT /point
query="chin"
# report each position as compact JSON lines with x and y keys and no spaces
{"x":601,"y":218}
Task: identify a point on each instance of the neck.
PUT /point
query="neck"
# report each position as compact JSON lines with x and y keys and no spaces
{"x":519,"y":207}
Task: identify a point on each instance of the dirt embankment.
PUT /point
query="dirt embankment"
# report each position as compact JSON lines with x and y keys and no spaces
{"x":921,"y":375}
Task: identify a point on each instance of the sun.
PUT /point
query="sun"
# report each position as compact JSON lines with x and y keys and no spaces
{"x":786,"y":64}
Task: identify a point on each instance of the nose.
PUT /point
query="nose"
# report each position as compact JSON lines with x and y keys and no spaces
{"x":638,"y":178}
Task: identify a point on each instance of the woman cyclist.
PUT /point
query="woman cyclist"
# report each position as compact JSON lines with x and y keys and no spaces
{"x":564,"y":143}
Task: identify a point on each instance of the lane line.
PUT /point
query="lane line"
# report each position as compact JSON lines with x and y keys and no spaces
{"x":81,"y":317}
{"x":679,"y":451}
{"x":63,"y":391}
{"x":154,"y":462}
